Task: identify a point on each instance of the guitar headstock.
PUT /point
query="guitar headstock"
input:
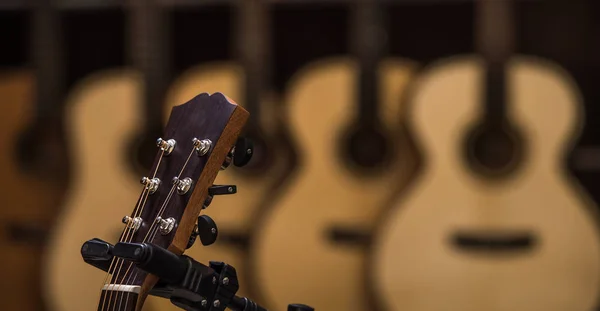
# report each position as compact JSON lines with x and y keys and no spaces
{"x":196,"y":142}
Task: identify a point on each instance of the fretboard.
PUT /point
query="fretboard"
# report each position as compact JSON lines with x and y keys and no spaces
{"x":119,"y":298}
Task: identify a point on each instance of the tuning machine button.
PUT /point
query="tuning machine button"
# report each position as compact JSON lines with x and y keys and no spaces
{"x":240,"y":154}
{"x":218,"y":190}
{"x":206,"y":229}
{"x":242,"y":151}
{"x":222,"y":190}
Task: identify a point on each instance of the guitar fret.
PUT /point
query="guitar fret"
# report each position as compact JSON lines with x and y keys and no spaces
{"x":127,"y":302}
{"x":122,"y":288}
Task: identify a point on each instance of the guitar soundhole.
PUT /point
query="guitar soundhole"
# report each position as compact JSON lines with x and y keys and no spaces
{"x":367,"y":148}
{"x":26,"y":233}
{"x":40,"y":149}
{"x":494,"y":151}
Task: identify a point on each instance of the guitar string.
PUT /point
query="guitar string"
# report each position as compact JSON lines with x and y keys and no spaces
{"x":108,"y":273}
{"x":154,"y":225}
{"x":130,"y":277}
{"x":138,"y":211}
{"x":121,"y":261}
{"x":132,"y":233}
{"x":114,"y":260}
{"x":127,"y":231}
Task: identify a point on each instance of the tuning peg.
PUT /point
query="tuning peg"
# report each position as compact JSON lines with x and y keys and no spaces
{"x":218,"y":190}
{"x":243,"y":151}
{"x":193,"y":237}
{"x":202,"y":146}
{"x":207,"y":201}
{"x":228,"y":159}
{"x":207,"y":230}
{"x":166,"y":145}
{"x":222,"y":190}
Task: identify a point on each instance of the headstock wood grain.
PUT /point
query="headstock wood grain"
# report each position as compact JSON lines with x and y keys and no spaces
{"x":203,"y":131}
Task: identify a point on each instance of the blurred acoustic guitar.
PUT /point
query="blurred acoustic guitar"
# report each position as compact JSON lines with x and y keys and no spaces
{"x":346,"y":117}
{"x":33,"y":161}
{"x":494,"y":221}
{"x":259,"y":181}
{"x":28,"y":203}
{"x":114,"y":118}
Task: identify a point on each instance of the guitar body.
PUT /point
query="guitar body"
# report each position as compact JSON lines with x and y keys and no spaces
{"x":293,"y":258}
{"x":417,"y":266}
{"x":103,"y":114}
{"x":28,"y":204}
{"x":232,"y":213}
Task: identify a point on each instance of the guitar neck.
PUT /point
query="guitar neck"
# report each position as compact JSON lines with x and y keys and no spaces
{"x":369,"y":46}
{"x":118,"y":301}
{"x":253,"y":48}
{"x":48,"y":59}
{"x":149,"y":34}
{"x":495,"y":42}
{"x":495,"y":33}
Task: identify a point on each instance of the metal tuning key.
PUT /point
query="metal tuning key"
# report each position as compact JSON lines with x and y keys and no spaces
{"x":207,"y":202}
{"x":150,"y":184}
{"x":202,"y":146}
{"x":165,"y":226}
{"x":166,"y":145}
{"x":183,"y":185}
{"x":132,"y":223}
{"x":193,"y":237}
{"x":228,"y":159}
{"x":240,"y":154}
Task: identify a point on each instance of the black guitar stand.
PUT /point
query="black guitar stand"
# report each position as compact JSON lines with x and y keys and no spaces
{"x":187,"y":283}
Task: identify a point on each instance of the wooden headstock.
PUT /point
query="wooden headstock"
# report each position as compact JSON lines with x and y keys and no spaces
{"x":196,"y":141}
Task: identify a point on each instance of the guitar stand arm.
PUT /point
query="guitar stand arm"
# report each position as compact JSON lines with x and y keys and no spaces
{"x":187,"y":283}
{"x":97,"y":253}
